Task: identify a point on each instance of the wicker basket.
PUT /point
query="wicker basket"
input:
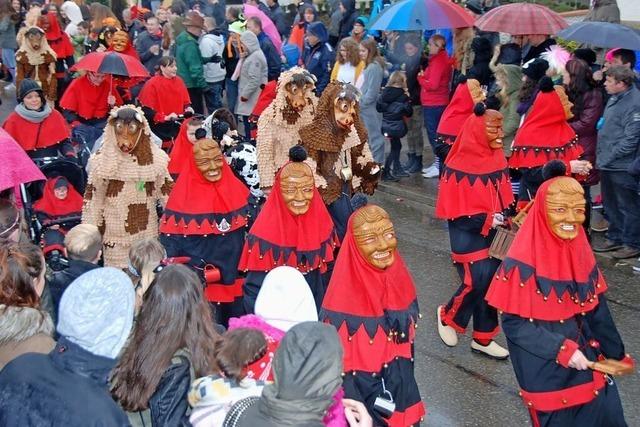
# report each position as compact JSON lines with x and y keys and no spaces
{"x":504,"y":236}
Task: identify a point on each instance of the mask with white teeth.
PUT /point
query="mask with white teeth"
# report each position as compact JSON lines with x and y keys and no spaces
{"x":209,"y":159}
{"x":493,"y":122}
{"x":566,"y":206}
{"x":296,"y":187}
{"x":375,"y":236}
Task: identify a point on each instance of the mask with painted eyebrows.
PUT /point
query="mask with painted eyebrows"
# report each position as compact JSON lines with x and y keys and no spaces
{"x":296,"y":187}
{"x":375,"y":236}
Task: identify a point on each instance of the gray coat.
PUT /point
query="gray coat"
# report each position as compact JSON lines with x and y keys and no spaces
{"x":253,"y":75}
{"x":371,"y":82}
{"x":619,"y":137}
{"x":8,"y":34}
{"x":143,"y":43}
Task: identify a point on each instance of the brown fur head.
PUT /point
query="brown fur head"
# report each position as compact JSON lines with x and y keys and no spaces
{"x":132,"y":133}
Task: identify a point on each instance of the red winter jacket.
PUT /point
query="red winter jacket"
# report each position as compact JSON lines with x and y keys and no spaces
{"x":435,"y":80}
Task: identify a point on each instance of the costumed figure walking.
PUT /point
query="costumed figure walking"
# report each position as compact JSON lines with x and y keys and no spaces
{"x":545,"y":135}
{"x":128,"y":178}
{"x":294,"y":229}
{"x":473,"y":196}
{"x":339,"y":154}
{"x":466,"y":96}
{"x":60,"y":43}
{"x":39,"y":129}
{"x":205,"y":220}
{"x":280,"y":123}
{"x":555,"y":316}
{"x":36,"y":60}
{"x":371,"y":301}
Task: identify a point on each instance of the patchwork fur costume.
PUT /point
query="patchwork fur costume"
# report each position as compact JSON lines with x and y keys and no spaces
{"x":124,"y":190}
{"x":330,"y":148}
{"x":279,"y":126}
{"x":37,"y":65}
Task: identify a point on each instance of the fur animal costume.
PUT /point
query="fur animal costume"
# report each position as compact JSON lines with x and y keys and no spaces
{"x":125,"y":188}
{"x":280,"y":123}
{"x":339,"y":156}
{"x":37,"y":64}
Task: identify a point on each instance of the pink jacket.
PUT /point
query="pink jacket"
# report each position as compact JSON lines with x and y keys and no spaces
{"x":435,"y":80}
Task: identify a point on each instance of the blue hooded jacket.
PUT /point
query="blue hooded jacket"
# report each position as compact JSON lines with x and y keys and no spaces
{"x":318,"y":59}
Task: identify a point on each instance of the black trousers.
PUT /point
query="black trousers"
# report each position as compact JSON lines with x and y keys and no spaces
{"x":197,"y":99}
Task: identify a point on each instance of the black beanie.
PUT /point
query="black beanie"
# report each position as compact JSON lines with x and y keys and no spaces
{"x":535,"y":69}
{"x":26,"y":87}
{"x":587,"y":55}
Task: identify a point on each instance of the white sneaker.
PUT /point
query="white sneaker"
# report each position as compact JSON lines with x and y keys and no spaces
{"x":493,"y":350}
{"x":10,"y":87}
{"x":433,"y":172}
{"x":448,"y":335}
{"x":428,"y":168}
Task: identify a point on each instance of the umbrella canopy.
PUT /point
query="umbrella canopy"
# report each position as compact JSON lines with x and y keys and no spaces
{"x":267,"y":25}
{"x":522,"y":18}
{"x":602,"y":34}
{"x":17,"y":167}
{"x":113,"y":63}
{"x":410,"y":15}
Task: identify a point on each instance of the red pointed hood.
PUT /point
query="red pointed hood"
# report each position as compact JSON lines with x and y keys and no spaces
{"x":459,"y":109}
{"x":52,"y":206}
{"x":182,"y":150}
{"x":544,"y":277}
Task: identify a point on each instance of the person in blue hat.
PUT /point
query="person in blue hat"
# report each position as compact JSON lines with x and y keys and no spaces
{"x":318,"y":54}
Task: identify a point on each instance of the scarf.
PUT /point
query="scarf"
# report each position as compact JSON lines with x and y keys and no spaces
{"x":32,"y":115}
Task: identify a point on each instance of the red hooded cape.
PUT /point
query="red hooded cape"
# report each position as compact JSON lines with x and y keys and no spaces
{"x":457,"y":112}
{"x":58,"y":40}
{"x":164,"y":96}
{"x":366,"y":304}
{"x":50,"y":205}
{"x":199,"y":207}
{"x":87,"y":100}
{"x":278,"y":237}
{"x":544,"y":277}
{"x":545,"y":135}
{"x":182,"y":150}
{"x":475,"y":179}
{"x":32,"y":136}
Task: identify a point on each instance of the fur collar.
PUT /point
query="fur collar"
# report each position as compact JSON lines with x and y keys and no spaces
{"x":21,"y":323}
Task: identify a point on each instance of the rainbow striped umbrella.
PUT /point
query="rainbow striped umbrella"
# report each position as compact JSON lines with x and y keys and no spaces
{"x":411,"y":15}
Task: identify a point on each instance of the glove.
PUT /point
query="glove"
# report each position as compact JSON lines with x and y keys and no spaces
{"x":215,"y":59}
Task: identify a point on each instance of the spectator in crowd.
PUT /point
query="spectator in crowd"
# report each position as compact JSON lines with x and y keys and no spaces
{"x":349,"y":16}
{"x":24,"y":326}
{"x":9,"y":222}
{"x":532,"y":71}
{"x":409,"y":60}
{"x":370,"y":84}
{"x":308,"y":15}
{"x":69,"y":386}
{"x":359,"y":32}
{"x":132,"y":26}
{"x":395,"y":106}
{"x":627,"y":58}
{"x":212,"y":44}
{"x":534,"y":45}
{"x":509,"y":81}
{"x":189,"y":61}
{"x":349,"y":65}
{"x":144,"y":258}
{"x":163,"y":14}
{"x":587,"y":109}
{"x":482,"y":54}
{"x":149,"y":44}
{"x":260,"y":5}
{"x":80,"y":40}
{"x":8,"y":42}
{"x":318,"y":55}
{"x":307,"y":368}
{"x":434,"y":93}
{"x":84,"y":250}
{"x":232,"y":54}
{"x":274,"y":63}
{"x":617,"y":147}
{"x":334,"y":22}
{"x":215,"y":9}
{"x":252,"y":78}
{"x":150,"y":382}
{"x":277,"y":16}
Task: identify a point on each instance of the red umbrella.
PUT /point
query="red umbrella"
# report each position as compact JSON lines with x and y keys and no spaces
{"x":522,"y":18}
{"x":113,"y":63}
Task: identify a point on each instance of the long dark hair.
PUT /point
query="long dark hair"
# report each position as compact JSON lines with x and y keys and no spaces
{"x":174,"y":316}
{"x":237,"y":349}
{"x":580,"y":83}
{"x":20,"y":265}
{"x":527,"y":89}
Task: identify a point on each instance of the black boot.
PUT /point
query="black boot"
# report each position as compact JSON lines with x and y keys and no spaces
{"x":410,"y":161}
{"x":417,"y":165}
{"x":398,"y":170}
{"x":386,"y":170}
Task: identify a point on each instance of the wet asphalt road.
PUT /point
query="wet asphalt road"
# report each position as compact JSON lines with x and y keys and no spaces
{"x":461,"y":388}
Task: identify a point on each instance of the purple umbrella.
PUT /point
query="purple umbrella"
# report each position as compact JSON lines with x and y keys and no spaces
{"x":267,"y":25}
{"x":17,"y":167}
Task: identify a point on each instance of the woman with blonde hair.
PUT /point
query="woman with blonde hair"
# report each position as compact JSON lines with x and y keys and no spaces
{"x":144,"y":256}
{"x":348,"y":66}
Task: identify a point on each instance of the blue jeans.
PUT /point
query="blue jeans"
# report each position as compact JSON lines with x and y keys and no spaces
{"x":232,"y":94}
{"x":432,"y":115}
{"x":213,"y":96}
{"x":9,"y":61}
{"x":621,"y":204}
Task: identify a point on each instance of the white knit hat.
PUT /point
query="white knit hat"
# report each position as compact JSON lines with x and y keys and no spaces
{"x":285,"y":299}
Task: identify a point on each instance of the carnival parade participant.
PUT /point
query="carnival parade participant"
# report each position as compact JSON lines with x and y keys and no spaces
{"x":548,"y":116}
{"x":163,"y":98}
{"x":61,"y":44}
{"x":339,"y":155}
{"x":474,"y":194}
{"x":37,"y":61}
{"x":280,"y":123}
{"x":555,"y":316}
{"x":294,"y":229}
{"x":39,"y":129}
{"x":371,"y":301}
{"x":128,"y":178}
{"x":210,"y":228}
{"x":182,"y":149}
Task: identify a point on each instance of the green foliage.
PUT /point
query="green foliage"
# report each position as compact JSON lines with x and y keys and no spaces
{"x":570,"y":45}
